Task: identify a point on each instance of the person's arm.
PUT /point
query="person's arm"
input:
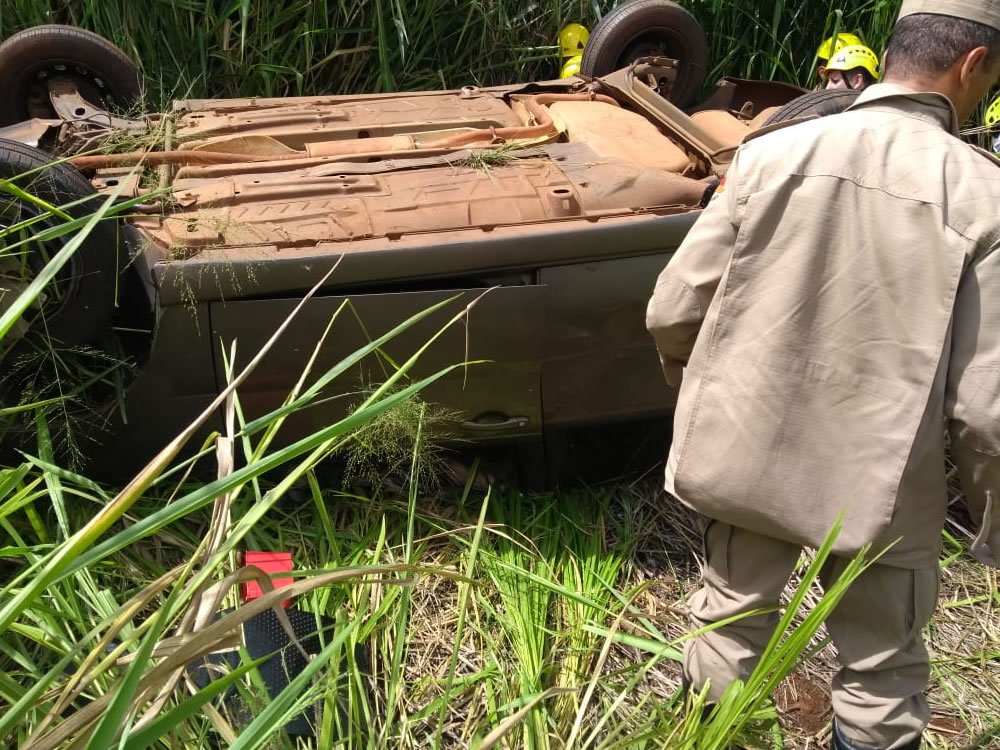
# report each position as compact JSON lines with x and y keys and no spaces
{"x":972,"y":402}
{"x":685,"y":288}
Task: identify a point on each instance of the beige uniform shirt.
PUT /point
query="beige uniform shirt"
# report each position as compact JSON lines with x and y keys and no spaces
{"x":836,"y":301}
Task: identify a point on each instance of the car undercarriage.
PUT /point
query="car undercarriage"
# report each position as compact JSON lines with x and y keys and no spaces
{"x":553,"y":204}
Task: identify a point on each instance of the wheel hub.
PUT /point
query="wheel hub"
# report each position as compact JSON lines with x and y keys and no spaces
{"x":91,"y":87}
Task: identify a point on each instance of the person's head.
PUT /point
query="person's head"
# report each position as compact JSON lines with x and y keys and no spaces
{"x":992,"y":119}
{"x":832,"y":46}
{"x":572,"y":39}
{"x":948,"y":46}
{"x":854,"y":67}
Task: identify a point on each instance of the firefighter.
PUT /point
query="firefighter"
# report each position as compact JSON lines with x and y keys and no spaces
{"x":571,"y":67}
{"x":572,"y":39}
{"x":829,"y":47}
{"x":855,"y":67}
{"x":831,"y":308}
{"x":992,"y":118}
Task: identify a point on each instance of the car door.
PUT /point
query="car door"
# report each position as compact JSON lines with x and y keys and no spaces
{"x":600,"y":362}
{"x":497,"y":399}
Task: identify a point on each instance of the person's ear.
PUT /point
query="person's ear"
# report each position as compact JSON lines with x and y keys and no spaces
{"x":970,"y":64}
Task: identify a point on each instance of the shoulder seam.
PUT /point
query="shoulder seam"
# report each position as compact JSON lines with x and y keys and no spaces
{"x":988,"y":154}
{"x":776,"y":126}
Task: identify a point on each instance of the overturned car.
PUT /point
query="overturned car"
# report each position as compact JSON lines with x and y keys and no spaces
{"x":562,"y":198}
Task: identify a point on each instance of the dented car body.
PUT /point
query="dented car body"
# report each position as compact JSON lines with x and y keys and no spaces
{"x":552,"y":205}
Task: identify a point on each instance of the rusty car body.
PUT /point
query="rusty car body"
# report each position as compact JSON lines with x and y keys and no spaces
{"x":554,"y":204}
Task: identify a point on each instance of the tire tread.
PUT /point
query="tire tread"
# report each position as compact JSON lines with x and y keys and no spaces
{"x":819,"y":103}
{"x":89,"y":312}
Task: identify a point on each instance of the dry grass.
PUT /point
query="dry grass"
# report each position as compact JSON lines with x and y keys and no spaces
{"x":964,"y":638}
{"x":551,"y":576}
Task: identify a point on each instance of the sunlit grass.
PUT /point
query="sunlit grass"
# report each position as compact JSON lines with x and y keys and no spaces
{"x":466,"y":617}
{"x":461,"y":619}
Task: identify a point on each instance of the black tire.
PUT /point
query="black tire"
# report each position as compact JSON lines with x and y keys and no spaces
{"x":80,"y":302}
{"x":102,"y":71}
{"x":650,"y":27}
{"x":818,"y":103}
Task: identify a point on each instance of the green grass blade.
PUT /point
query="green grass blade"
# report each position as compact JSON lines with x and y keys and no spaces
{"x":176,"y":716}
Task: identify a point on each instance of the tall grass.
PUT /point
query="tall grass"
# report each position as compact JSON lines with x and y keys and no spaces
{"x":483,"y":628}
{"x":473,"y":620}
{"x":479,"y":620}
{"x":539,"y":661}
{"x":778,"y":39}
{"x":286,"y":47}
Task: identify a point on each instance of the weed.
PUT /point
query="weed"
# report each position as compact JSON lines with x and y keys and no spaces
{"x":483,"y":159}
{"x":79,"y":386}
{"x":384,"y":448}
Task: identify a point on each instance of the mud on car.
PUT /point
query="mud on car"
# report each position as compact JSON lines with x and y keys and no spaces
{"x":563,"y":198}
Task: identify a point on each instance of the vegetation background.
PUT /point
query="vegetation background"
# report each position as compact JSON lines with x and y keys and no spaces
{"x":230,"y":48}
{"x":474,"y":618}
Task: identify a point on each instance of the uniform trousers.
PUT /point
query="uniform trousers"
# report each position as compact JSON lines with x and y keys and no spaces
{"x":878,"y":693}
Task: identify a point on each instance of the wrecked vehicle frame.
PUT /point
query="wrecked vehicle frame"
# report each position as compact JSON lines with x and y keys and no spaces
{"x":562,"y":199}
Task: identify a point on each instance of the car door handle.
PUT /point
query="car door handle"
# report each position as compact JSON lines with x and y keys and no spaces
{"x":507,"y":423}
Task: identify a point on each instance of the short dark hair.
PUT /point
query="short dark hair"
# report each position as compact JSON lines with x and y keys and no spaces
{"x":869,"y":78}
{"x":930,"y":43}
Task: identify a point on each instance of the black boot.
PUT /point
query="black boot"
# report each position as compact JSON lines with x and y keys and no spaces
{"x":840,"y":742}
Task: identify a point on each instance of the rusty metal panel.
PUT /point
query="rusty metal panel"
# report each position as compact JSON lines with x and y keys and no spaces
{"x":266,"y":270}
{"x":295,"y":121}
{"x":295,"y":209}
{"x":620,"y":136}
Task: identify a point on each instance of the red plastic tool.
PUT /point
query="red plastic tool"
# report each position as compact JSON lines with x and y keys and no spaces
{"x":269,"y":562}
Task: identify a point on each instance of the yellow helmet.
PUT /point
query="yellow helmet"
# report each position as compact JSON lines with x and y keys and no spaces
{"x":854,"y":56}
{"x":572,"y":67}
{"x":992,"y":118}
{"x":828,"y":48}
{"x":993,"y":112}
{"x":572,"y":39}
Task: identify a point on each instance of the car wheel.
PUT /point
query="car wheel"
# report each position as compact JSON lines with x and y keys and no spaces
{"x":650,"y":28}
{"x":76,"y":306}
{"x":814,"y":104}
{"x":103,"y":74}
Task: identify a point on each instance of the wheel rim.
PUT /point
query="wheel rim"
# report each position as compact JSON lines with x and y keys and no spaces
{"x":34,"y":93}
{"x":657,"y":42}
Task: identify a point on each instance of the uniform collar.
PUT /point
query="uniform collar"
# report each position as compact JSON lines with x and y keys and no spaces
{"x":926,"y":105}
